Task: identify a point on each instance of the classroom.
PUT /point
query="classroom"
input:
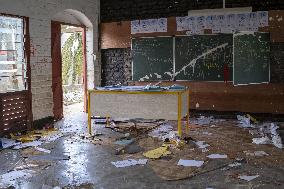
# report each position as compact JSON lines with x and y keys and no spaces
{"x":141,"y":94}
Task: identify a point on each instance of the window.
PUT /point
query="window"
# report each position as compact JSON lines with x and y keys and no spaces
{"x":13,"y":67}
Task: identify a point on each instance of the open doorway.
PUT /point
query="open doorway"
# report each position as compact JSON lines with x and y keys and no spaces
{"x":68,"y":69}
{"x":72,"y":69}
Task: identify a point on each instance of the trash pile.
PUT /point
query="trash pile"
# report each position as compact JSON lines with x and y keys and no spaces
{"x":263,"y":133}
{"x":205,"y":121}
{"x":73,"y":97}
{"x":30,"y":139}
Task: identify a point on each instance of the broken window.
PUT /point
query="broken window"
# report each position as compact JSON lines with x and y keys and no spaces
{"x":13,"y":66}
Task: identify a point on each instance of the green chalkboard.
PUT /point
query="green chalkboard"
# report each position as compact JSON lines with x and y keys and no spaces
{"x":251,"y":58}
{"x":152,"y":58}
{"x":204,"y":57}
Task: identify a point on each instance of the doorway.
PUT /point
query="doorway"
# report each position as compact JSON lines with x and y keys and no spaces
{"x":68,"y":69}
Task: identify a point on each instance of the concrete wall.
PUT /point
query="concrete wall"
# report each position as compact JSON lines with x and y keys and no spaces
{"x":41,"y":12}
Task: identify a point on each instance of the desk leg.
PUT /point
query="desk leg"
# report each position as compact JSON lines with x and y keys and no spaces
{"x":187,"y":117}
{"x":187,"y":123}
{"x":89,"y":115}
{"x":179,"y":116}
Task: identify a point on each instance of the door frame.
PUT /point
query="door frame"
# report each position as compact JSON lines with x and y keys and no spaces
{"x":85,"y":78}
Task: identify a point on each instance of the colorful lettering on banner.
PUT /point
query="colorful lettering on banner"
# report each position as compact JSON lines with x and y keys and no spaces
{"x":149,"y":26}
{"x":252,"y":22}
{"x":242,"y":22}
{"x":135,"y":26}
{"x":262,"y":17}
{"x":162,"y":25}
{"x":191,"y":23}
{"x":181,"y":23}
{"x":199,"y":24}
{"x":231,"y":23}
{"x":216,"y":25}
{"x":209,"y":22}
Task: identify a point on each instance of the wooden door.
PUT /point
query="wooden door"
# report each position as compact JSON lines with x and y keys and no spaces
{"x":56,"y":70}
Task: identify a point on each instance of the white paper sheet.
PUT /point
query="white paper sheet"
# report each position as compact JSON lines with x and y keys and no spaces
{"x":217,"y":156}
{"x":248,"y":178}
{"x":201,"y":144}
{"x":190,"y":163}
{"x":129,"y":162}
{"x":28,"y":144}
{"x":43,"y":150}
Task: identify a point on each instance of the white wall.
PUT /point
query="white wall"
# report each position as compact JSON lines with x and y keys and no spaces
{"x":41,"y":12}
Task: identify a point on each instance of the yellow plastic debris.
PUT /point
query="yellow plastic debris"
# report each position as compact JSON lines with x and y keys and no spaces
{"x":34,"y":135}
{"x":157,"y":153}
{"x":23,"y":138}
{"x":252,"y":118}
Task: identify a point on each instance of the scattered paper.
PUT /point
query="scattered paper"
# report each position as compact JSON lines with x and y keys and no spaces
{"x":207,"y":133}
{"x":28,"y":144}
{"x":190,"y":163}
{"x":244,"y":122}
{"x":217,"y":156}
{"x":51,"y":138}
{"x":10,"y":178}
{"x":201,"y":144}
{"x":236,"y":164}
{"x":129,"y":162}
{"x":163,"y":132}
{"x":8,"y":143}
{"x":157,"y":153}
{"x":248,"y":178}
{"x":256,"y":153}
{"x":276,"y":139}
{"x":202,"y":120}
{"x":124,"y":142}
{"x":262,"y":140}
{"x":43,"y":150}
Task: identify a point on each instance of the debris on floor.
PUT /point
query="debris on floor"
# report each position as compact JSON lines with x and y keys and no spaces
{"x":268,"y":135}
{"x":162,"y":132}
{"x":244,"y":122}
{"x":129,"y":162}
{"x":124,"y":142}
{"x":43,"y":150}
{"x":203,"y":120}
{"x":10,"y":178}
{"x":217,"y":156}
{"x":8,"y":143}
{"x":256,"y":153}
{"x":190,"y":163}
{"x":262,"y":140}
{"x":28,"y":144}
{"x":132,"y":148}
{"x":248,"y":178}
{"x":157,"y":153}
{"x":235,"y":164}
{"x":31,"y":139}
{"x":202,"y":145}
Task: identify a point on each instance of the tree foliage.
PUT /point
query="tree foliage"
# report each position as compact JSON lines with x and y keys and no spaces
{"x":72,"y":60}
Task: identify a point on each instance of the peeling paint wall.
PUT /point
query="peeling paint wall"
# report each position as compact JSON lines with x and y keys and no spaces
{"x":41,"y":12}
{"x":117,"y":66}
